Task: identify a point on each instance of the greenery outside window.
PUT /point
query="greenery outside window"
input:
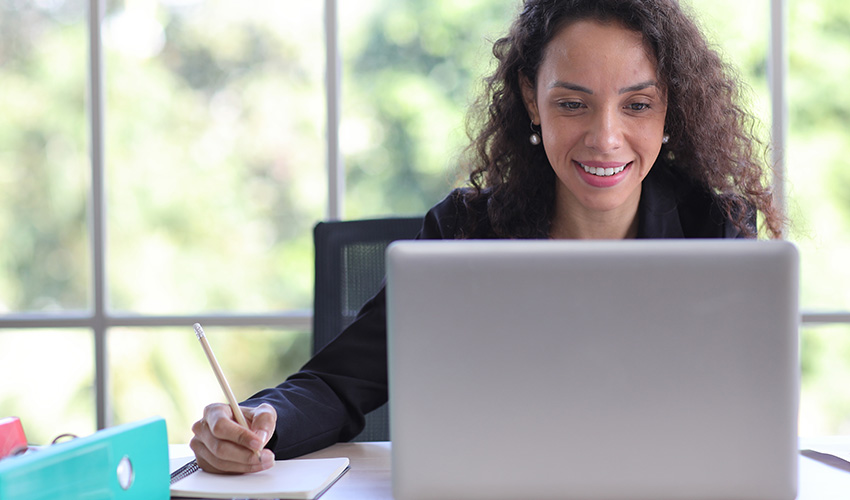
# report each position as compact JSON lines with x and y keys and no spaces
{"x":164,"y":162}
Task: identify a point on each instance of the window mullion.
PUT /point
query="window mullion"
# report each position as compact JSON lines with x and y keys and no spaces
{"x":97,"y":218}
{"x":333,"y":97}
{"x":777,"y":75}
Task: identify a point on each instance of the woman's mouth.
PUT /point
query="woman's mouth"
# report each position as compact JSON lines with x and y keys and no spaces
{"x":603,"y":170}
{"x":605,"y":174}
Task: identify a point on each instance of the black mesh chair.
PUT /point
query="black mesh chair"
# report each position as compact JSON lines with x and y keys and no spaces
{"x":349,"y":271}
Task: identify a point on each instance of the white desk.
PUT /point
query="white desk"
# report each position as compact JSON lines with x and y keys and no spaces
{"x":369,"y":477}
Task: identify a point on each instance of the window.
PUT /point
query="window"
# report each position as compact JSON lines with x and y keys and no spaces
{"x":818,"y":183}
{"x":184,"y":186}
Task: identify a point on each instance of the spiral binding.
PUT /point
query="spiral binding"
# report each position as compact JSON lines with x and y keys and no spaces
{"x":187,"y":470}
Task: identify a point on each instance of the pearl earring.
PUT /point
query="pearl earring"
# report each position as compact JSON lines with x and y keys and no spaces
{"x":534,"y":138}
{"x":665,"y":138}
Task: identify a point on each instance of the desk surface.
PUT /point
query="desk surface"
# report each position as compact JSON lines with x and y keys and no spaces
{"x":369,"y":477}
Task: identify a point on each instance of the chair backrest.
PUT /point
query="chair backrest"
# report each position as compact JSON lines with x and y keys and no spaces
{"x":349,"y":271}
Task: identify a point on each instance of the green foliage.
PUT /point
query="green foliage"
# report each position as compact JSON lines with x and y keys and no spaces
{"x":215,"y":176}
{"x":215,"y":172}
{"x":414,"y":69}
{"x":825,"y":404}
{"x":819,"y":69}
{"x":215,"y":156}
{"x":817,"y":163}
{"x":165,"y":372}
{"x":43,"y":166}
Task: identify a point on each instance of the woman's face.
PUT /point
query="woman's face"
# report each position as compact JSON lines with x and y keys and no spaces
{"x":601,"y":111}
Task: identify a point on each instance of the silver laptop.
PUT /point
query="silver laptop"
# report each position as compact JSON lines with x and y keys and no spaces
{"x":593,"y":370}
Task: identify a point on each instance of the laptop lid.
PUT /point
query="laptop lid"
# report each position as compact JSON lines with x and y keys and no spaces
{"x":653,"y":369}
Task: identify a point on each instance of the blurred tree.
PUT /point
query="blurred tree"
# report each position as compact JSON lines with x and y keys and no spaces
{"x":818,"y":183}
{"x":213,"y":143}
{"x":216,"y":166}
{"x":413,"y":69}
{"x":43,"y":159}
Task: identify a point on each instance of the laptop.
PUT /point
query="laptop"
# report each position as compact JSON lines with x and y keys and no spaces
{"x":653,"y":369}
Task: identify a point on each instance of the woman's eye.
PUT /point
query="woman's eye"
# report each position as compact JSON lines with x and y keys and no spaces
{"x":571,"y":105}
{"x":638,"y":106}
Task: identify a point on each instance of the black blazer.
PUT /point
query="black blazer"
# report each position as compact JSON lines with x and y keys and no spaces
{"x":326,"y":401}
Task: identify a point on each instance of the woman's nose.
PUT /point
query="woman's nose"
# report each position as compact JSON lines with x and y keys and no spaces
{"x":605,"y":132}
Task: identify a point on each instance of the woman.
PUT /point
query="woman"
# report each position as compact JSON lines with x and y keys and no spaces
{"x":604,"y":119}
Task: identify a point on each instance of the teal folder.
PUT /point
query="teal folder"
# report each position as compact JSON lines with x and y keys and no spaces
{"x":125,"y":462}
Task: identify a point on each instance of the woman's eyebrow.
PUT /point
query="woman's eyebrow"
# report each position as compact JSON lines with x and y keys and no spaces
{"x":639,"y":86}
{"x":578,"y":88}
{"x":570,"y":86}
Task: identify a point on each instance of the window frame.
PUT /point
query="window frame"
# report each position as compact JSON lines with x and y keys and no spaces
{"x":100,"y":319}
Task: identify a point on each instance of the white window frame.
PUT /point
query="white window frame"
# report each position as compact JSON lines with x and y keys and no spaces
{"x":100,"y":319}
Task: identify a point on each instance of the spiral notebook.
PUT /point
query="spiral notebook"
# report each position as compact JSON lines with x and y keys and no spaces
{"x":299,"y":479}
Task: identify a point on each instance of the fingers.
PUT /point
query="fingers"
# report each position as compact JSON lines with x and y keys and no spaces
{"x":223,"y":446}
{"x":214,"y":463}
{"x":262,"y":421}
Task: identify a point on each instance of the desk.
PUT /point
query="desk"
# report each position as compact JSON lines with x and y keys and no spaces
{"x":369,"y":477}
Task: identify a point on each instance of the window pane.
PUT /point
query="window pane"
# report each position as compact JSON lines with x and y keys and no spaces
{"x":44,"y":167}
{"x":163,"y":371}
{"x":818,"y":164}
{"x":215,"y":152}
{"x":825,"y":402}
{"x":410,"y":69}
{"x":742,"y":41}
{"x":48,"y":382}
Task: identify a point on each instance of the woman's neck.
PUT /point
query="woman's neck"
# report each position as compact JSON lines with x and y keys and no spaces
{"x":572,"y":221}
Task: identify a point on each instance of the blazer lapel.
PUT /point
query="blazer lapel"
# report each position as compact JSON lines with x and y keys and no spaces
{"x":658,"y":214}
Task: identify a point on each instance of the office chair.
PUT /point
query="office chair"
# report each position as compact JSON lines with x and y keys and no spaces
{"x":349,"y":271}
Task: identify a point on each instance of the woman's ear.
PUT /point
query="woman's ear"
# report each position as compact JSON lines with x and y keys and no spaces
{"x":529,"y":97}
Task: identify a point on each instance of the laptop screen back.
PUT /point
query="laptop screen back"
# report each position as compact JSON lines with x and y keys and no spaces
{"x":617,"y":370}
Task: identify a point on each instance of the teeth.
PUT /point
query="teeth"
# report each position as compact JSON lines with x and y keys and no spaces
{"x":603,"y":172}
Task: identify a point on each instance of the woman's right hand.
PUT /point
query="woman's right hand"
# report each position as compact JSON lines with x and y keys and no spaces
{"x":222,"y":446}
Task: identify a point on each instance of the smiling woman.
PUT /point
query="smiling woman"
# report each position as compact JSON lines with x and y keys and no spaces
{"x":603,"y":80}
{"x":601,"y":135}
{"x":616,"y":85}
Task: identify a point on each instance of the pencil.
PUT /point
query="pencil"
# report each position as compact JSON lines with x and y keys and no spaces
{"x":222,"y":381}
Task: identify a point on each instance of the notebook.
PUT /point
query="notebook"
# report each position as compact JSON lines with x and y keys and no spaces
{"x":301,"y":479}
{"x":653,"y":369}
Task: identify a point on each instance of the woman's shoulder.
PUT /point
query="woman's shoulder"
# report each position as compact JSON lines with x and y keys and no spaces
{"x":462,"y":214}
{"x":701,"y":212}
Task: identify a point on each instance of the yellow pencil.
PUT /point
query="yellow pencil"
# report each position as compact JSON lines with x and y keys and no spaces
{"x":222,"y":381}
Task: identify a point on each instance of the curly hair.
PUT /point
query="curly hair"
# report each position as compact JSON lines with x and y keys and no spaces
{"x":712,"y":139}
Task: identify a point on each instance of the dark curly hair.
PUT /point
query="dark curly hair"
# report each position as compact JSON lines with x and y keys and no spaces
{"x":712,"y":138}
